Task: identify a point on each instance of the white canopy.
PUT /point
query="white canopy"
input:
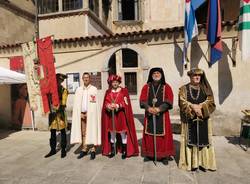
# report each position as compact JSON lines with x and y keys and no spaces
{"x":11,"y":77}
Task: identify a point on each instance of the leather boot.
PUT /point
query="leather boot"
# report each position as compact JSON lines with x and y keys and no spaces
{"x":112,"y":153}
{"x":165,"y":161}
{"x":63,"y":143}
{"x":92,"y":155}
{"x":63,"y":153}
{"x":53,"y":148}
{"x":124,"y":151}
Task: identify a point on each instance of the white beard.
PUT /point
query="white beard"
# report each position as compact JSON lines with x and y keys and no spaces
{"x":157,"y":79}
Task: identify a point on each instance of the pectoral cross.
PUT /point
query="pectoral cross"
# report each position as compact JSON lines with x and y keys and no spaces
{"x":154,"y":101}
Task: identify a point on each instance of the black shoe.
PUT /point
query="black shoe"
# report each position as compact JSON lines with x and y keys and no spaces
{"x":63,"y":153}
{"x":124,"y":151}
{"x":202,"y":169}
{"x":165,"y":161}
{"x":147,"y":159}
{"x":92,"y":155}
{"x":124,"y":156}
{"x":52,"y":152}
{"x":194,"y":169}
{"x":82,"y":154}
{"x":112,"y":154}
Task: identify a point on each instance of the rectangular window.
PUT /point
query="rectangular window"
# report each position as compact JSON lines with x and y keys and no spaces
{"x":128,"y":9}
{"x":229,"y":11}
{"x":129,"y":58}
{"x":94,"y":6}
{"x":96,"y":79}
{"x":72,"y":4}
{"x":131,"y":82}
{"x":72,"y":82}
{"x":47,"y":6}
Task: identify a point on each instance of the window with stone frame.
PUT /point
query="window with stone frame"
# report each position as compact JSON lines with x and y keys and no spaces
{"x":129,"y":58}
{"x":131,"y":82}
{"x":106,"y":6}
{"x":71,"y":4}
{"x":47,"y":6}
{"x":52,"y":6}
{"x":128,"y":10}
{"x":94,"y":6}
{"x":130,"y":65}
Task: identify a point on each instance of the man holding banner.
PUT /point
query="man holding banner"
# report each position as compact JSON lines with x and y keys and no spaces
{"x":157,"y":98}
{"x":57,"y":118}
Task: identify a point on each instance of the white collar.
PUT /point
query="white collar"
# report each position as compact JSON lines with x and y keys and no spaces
{"x":84,"y":87}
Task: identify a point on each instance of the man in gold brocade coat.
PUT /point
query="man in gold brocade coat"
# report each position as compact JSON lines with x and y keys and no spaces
{"x":57,"y":119}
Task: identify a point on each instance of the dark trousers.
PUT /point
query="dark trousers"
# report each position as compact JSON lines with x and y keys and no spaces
{"x":53,"y":139}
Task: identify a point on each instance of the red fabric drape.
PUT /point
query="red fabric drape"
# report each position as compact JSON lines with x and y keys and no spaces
{"x":16,"y":64}
{"x":48,"y":84}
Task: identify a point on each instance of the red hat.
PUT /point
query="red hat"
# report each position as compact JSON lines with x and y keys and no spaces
{"x":114,"y":78}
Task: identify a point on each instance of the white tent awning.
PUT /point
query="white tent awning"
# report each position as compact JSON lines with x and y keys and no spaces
{"x":11,"y":77}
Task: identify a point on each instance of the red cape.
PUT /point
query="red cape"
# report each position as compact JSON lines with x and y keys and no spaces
{"x":165,"y":146}
{"x":132,"y":143}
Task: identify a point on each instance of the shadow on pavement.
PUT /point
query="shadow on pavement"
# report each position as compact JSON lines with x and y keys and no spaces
{"x":5,"y":133}
{"x":177,"y":151}
{"x":242,"y":142}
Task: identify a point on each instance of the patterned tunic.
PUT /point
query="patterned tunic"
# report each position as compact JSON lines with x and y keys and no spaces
{"x":58,"y":119}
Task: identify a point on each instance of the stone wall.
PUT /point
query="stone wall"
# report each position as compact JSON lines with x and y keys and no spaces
{"x":15,"y":27}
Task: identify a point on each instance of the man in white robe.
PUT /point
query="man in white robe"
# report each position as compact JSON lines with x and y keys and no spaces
{"x":86,"y":121}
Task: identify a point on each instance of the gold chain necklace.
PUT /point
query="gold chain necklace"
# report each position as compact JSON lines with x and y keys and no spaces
{"x":112,"y":97}
{"x":155,"y":94}
{"x":191,"y":93}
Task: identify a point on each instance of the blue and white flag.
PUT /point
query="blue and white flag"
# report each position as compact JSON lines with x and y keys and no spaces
{"x":190,"y":27}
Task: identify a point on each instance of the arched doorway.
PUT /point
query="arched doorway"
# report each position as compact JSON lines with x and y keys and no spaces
{"x":125,"y":62}
{"x":133,"y":72}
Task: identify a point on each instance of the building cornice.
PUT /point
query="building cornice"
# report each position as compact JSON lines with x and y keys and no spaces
{"x":226,"y":26}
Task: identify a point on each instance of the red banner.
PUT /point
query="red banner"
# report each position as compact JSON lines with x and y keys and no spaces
{"x":16,"y":64}
{"x":48,"y":84}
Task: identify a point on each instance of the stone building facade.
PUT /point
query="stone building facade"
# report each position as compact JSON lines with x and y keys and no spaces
{"x":130,"y":37}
